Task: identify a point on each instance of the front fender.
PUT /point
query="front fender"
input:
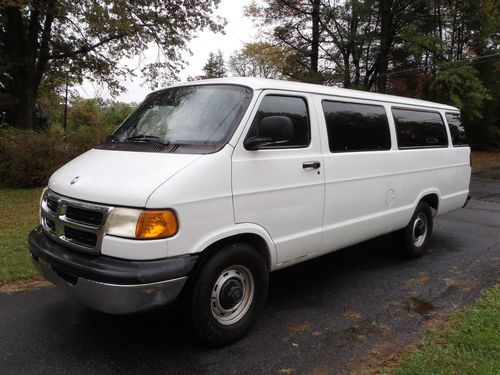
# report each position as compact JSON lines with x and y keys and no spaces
{"x":240,"y":228}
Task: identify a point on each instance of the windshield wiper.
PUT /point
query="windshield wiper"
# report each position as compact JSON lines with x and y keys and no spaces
{"x":148,"y":138}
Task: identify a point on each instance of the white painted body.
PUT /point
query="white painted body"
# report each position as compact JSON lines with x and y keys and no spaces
{"x":297,"y":213}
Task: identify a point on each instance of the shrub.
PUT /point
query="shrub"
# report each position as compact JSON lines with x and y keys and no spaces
{"x":28,"y":158}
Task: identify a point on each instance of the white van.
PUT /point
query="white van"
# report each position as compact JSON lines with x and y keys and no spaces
{"x":210,"y":185}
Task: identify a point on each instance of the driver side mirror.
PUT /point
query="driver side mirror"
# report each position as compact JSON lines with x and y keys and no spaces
{"x":272,"y":130}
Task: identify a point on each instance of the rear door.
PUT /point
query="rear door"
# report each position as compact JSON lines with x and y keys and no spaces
{"x":281,"y":187}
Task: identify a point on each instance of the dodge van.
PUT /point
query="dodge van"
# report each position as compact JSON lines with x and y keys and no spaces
{"x":210,"y":185}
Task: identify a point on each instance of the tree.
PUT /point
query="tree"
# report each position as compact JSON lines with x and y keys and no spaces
{"x":63,"y":39}
{"x":296,"y":30}
{"x":215,"y":66}
{"x":259,"y":59}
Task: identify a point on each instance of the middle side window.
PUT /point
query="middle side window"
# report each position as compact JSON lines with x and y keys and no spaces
{"x":356,"y":127}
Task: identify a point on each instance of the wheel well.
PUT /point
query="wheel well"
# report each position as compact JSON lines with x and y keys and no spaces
{"x":432,"y":200}
{"x":253,"y":239}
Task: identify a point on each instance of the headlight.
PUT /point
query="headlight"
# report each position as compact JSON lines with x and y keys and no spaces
{"x":139,"y":224}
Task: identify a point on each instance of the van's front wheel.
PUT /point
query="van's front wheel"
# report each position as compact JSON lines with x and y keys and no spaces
{"x":229,"y":293}
{"x":414,"y":238}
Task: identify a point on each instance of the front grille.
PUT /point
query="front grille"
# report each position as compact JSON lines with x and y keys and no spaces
{"x":52,"y":205}
{"x":50,"y":224}
{"x":84,"y":216}
{"x":76,"y":224}
{"x":81,"y":237}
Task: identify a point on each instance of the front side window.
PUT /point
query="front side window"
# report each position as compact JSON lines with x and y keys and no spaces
{"x":419,"y":129}
{"x":292,"y":107}
{"x":457,"y":130}
{"x":198,"y":115}
{"x":356,"y":127}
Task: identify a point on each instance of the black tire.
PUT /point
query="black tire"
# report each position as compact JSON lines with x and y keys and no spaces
{"x":228,"y":294}
{"x":414,"y":238}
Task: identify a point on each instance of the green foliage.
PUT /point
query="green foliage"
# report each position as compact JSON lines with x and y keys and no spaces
{"x":19,"y":217}
{"x":259,"y":60}
{"x":461,"y":87}
{"x":28,"y":158}
{"x":53,"y":41}
{"x":100,"y":116}
{"x":468,"y":344}
{"x":215,"y":66}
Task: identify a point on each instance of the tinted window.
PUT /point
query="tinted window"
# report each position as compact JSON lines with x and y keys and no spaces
{"x":416,"y":128}
{"x":356,"y":127}
{"x":456,"y":129}
{"x":293,"y":107}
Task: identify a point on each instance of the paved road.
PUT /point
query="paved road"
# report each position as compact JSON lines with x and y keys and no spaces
{"x":336,"y":314}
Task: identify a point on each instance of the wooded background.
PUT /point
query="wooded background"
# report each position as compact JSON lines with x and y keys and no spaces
{"x":441,"y":50}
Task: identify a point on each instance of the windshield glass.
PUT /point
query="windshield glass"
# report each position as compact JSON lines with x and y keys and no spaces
{"x":187,"y":115}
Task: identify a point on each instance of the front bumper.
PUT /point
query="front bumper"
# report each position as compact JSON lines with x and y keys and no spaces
{"x":107,"y":284}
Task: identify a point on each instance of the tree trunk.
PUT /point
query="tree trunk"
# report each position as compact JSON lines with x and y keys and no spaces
{"x":386,"y":36}
{"x":315,"y":37}
{"x":347,"y":72}
{"x":26,"y":48}
{"x":25,"y":101}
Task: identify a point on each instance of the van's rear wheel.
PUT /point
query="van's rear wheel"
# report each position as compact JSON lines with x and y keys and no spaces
{"x":414,"y":238}
{"x":228,"y":295}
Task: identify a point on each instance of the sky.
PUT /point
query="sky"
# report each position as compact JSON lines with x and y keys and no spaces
{"x":238,"y":30}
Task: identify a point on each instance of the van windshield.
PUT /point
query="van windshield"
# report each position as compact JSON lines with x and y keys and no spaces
{"x":198,"y":115}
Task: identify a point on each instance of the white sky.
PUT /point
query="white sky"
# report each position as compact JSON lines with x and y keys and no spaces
{"x":238,"y":30}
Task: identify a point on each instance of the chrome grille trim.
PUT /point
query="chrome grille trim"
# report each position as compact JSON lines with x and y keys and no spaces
{"x":61,"y":221}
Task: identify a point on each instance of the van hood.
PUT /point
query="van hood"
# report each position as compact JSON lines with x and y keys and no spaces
{"x":122,"y":178}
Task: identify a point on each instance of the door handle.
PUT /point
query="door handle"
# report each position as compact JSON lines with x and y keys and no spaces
{"x":311,"y":165}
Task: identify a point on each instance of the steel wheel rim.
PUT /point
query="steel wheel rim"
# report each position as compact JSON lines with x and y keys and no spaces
{"x":228,"y":283}
{"x":419,"y":232}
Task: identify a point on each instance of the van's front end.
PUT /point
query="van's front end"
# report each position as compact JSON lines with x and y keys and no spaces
{"x":119,"y":225}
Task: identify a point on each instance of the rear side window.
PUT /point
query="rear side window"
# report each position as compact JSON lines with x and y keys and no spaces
{"x":356,"y":127}
{"x":291,"y":106}
{"x":417,"y":129}
{"x":457,"y":130}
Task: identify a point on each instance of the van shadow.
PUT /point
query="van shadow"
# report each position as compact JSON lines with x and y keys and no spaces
{"x":163,"y":338}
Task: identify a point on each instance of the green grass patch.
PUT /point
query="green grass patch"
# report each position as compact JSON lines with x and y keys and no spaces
{"x":467,"y":343}
{"x":19,"y":216}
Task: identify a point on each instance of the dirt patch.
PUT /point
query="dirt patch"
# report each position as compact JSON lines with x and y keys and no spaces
{"x":353,"y":315}
{"x":300,"y":327}
{"x":383,"y":358}
{"x":420,"y":306}
{"x":482,"y":160}
{"x":486,"y":164}
{"x":23,"y":285}
{"x":413,"y":283}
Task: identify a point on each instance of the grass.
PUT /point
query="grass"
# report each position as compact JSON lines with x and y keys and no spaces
{"x":19,"y":216}
{"x":467,"y":343}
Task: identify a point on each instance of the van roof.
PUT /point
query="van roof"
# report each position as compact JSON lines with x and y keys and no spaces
{"x":274,"y":84}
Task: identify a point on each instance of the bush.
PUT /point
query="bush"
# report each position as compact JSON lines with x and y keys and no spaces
{"x":28,"y":158}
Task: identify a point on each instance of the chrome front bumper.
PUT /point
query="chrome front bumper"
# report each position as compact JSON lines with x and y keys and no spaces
{"x":112,"y":298}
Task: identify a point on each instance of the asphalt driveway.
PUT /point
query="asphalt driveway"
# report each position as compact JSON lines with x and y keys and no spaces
{"x":344,"y":312}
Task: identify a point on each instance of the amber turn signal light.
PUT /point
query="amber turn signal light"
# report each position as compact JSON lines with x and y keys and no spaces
{"x":156,"y":224}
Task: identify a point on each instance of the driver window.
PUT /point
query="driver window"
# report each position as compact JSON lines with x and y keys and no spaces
{"x":293,"y":107}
